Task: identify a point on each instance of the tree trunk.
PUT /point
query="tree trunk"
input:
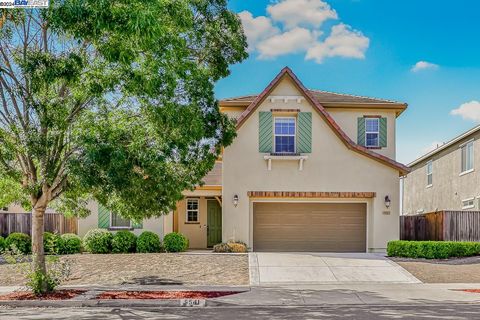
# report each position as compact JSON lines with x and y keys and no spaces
{"x":38,"y":255}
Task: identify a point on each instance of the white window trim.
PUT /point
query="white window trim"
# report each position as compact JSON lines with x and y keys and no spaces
{"x":377,"y":132}
{"x":429,"y":185}
{"x":473,"y":157}
{"x":119,"y":228}
{"x":470,"y":206}
{"x":285,"y":135}
{"x":420,"y":211}
{"x":198,"y":210}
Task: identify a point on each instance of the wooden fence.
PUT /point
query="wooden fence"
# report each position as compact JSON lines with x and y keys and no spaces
{"x":441,"y":226}
{"x":22,"y":222}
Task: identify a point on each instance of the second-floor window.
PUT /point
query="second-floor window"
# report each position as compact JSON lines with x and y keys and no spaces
{"x":429,"y":173}
{"x":467,"y":156}
{"x":285,"y":131}
{"x":372,"y":132}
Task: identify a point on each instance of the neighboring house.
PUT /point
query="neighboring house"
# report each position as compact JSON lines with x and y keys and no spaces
{"x":445,"y":178}
{"x":309,"y":170}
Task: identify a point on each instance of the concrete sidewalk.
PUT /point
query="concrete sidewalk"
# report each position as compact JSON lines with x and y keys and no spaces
{"x":268,"y":269}
{"x":291,"y":295}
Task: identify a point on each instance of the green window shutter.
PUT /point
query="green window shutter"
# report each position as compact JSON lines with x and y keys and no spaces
{"x":361,"y":131}
{"x":265,"y":132}
{"x":304,"y":139}
{"x":383,"y":132}
{"x":103,"y":217}
{"x":137,"y":225}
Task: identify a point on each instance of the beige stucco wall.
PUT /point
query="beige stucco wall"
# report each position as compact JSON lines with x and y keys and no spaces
{"x":330,"y":167}
{"x":91,"y":222}
{"x":347,"y":119}
{"x":449,"y":187}
{"x":196,"y":232}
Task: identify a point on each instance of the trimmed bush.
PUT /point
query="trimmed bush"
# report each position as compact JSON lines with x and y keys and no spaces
{"x":222,"y":248}
{"x":432,"y":249}
{"x":124,"y":242}
{"x":175,"y":242}
{"x":21,"y":241}
{"x":52,"y":243}
{"x":148,"y":242}
{"x":2,"y":244}
{"x":71,"y":243}
{"x":98,"y":241}
{"x":231,"y":246}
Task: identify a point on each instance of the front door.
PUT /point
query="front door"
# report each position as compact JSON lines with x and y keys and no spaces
{"x":214,"y":222}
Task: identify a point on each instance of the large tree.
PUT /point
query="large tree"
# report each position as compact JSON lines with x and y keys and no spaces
{"x":113,"y":101}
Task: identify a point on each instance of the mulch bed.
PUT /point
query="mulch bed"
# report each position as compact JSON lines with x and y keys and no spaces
{"x":57,"y":295}
{"x":471,"y":290}
{"x":164,"y":295}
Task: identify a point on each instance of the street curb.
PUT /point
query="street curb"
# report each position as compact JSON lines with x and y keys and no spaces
{"x":95,"y":303}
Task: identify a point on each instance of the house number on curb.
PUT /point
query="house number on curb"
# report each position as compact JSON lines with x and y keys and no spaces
{"x":192,"y":303}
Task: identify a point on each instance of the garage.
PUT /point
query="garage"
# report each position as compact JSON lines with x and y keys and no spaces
{"x":314,"y":227}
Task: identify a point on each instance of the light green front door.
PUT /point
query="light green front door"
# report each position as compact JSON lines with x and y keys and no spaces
{"x":214,"y":222}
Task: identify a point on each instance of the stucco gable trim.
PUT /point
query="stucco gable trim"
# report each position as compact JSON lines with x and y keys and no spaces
{"x":308,"y":194}
{"x":287,"y":72}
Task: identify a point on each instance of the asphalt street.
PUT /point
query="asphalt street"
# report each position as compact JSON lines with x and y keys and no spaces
{"x":364,"y":312}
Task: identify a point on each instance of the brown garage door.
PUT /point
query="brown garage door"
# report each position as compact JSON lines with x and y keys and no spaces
{"x":321,"y":227}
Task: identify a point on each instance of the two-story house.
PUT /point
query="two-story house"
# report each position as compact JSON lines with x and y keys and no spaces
{"x":309,"y":170}
{"x":445,"y":178}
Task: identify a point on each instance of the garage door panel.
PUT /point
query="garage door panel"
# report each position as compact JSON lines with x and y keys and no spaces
{"x":338,"y":227}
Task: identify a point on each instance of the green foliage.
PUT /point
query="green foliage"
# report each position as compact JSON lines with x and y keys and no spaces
{"x":71,"y":243}
{"x":175,"y":242}
{"x":98,"y":241}
{"x":52,"y":243}
{"x":432,"y":249}
{"x":2,"y":244}
{"x":148,"y":242}
{"x":124,"y":242}
{"x":20,"y":241}
{"x":113,"y":101}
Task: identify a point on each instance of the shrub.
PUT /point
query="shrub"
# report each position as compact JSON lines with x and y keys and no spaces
{"x":432,"y":249}
{"x":71,"y":243}
{"x":238,"y":247}
{"x":148,"y":242}
{"x":230,"y":246}
{"x":124,"y":242}
{"x":2,"y":244}
{"x":21,"y":241}
{"x":175,"y":242}
{"x":52,"y":243}
{"x":222,"y":248}
{"x":98,"y":241}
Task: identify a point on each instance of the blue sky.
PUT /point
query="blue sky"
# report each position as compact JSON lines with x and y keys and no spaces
{"x":370,"y":48}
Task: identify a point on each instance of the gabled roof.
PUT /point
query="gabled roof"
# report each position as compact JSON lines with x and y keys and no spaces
{"x":329,"y":99}
{"x":287,"y":72}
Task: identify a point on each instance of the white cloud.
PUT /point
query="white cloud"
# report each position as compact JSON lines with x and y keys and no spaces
{"x":468,"y":111}
{"x":294,"y":13}
{"x":424,"y":65}
{"x":434,"y":145}
{"x":256,"y":29}
{"x":292,"y":41}
{"x":294,"y":26}
{"x":343,"y":41}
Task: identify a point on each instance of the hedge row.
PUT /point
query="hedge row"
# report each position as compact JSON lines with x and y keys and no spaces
{"x":68,"y":243}
{"x":102,"y":241}
{"x":432,"y":249}
{"x":98,"y":241}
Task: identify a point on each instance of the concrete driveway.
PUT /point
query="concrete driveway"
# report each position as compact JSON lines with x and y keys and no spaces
{"x":324,"y":268}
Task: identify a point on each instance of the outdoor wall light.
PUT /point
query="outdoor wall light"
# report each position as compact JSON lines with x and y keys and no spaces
{"x":235,"y":200}
{"x":387,"y":201}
